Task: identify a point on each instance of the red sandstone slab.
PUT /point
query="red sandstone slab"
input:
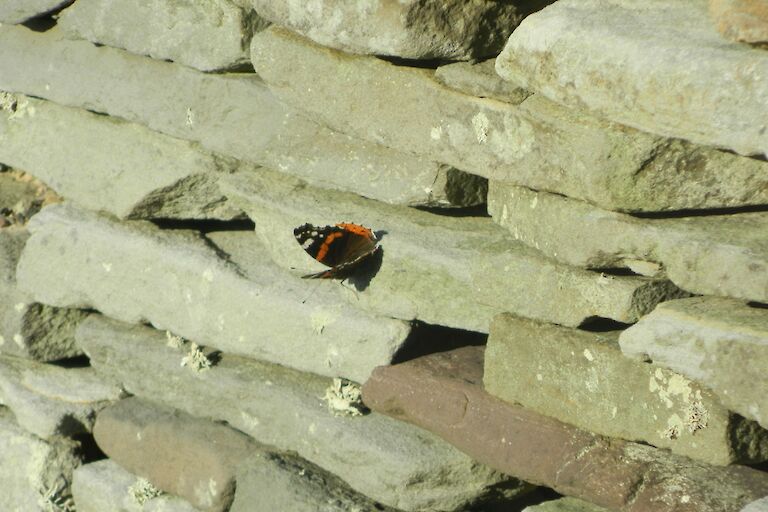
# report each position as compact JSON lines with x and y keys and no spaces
{"x":443,"y":393}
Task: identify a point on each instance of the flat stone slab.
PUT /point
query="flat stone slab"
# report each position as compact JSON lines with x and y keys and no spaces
{"x":103,"y":485}
{"x":174,"y":279}
{"x":35,"y":473}
{"x":715,"y":254}
{"x":210,"y":36}
{"x":583,"y":379}
{"x":49,"y":401}
{"x":536,"y":143}
{"x":721,"y":343}
{"x":376,"y":455}
{"x":633,"y":64}
{"x":452,"y":271}
{"x":102,"y":163}
{"x":740,"y":20}
{"x":410,"y":29}
{"x":231,"y":113}
{"x":193,"y":458}
{"x":443,"y":393}
{"x":19,"y":11}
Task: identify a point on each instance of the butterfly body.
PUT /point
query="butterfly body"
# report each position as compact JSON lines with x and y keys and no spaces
{"x":341,"y":247}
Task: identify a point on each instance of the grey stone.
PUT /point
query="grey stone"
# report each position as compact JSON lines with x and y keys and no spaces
{"x":583,"y":379}
{"x":760,"y":505}
{"x":36,"y":474}
{"x":210,"y":36}
{"x":480,"y":79}
{"x":721,"y":343}
{"x":658,"y":66}
{"x":741,"y":20}
{"x":104,"y":486}
{"x":565,"y":504}
{"x":104,"y":163}
{"x":267,"y":482}
{"x":231,"y":113}
{"x":135,"y":272}
{"x":52,"y":401}
{"x":716,"y":254}
{"x":19,"y":11}
{"x":537,"y":144}
{"x":27,"y":328}
{"x":411,"y":29}
{"x":377,"y":456}
{"x":453,"y":271}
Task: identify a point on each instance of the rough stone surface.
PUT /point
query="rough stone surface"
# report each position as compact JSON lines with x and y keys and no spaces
{"x":443,"y":394}
{"x":583,"y":379}
{"x":52,"y":401}
{"x":721,"y":343}
{"x":741,"y":20}
{"x":19,"y":11}
{"x":480,"y":79}
{"x":193,"y":458}
{"x":27,"y":328}
{"x":632,"y":63}
{"x":760,"y":505}
{"x":452,"y":271}
{"x":103,"y":485}
{"x":394,"y":463}
{"x":537,"y":144}
{"x":268,"y":482}
{"x":233,"y":114}
{"x":176,"y":281}
{"x":35,"y":473}
{"x":565,"y":504}
{"x":104,"y":163}
{"x":410,"y":29}
{"x":210,"y":36}
{"x":716,"y":254}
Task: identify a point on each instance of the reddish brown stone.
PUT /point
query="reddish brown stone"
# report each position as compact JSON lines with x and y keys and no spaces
{"x":443,"y":393}
{"x":741,"y":20}
{"x":180,"y":454}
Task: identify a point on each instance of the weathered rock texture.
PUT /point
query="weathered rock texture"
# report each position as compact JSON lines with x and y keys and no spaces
{"x":387,"y":460}
{"x":741,"y":20}
{"x":145,"y":274}
{"x":443,"y":393}
{"x":632,"y":63}
{"x":212,"y":35}
{"x":582,"y":378}
{"x":721,"y":343}
{"x":714,"y":254}
{"x":411,"y":29}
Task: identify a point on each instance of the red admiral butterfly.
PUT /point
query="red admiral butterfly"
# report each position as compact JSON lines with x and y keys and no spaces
{"x":340,"y":247}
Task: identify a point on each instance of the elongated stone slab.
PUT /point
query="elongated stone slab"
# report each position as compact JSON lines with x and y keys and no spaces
{"x":209,"y":36}
{"x":411,"y":29}
{"x":375,"y":455}
{"x":102,"y":163}
{"x":443,"y":393}
{"x":633,"y":64}
{"x":49,"y":401}
{"x":480,"y":79}
{"x":136,"y":272}
{"x":583,"y":379}
{"x":722,"y":343}
{"x":453,"y":271}
{"x":103,"y":485}
{"x":716,"y":255}
{"x":537,"y":143}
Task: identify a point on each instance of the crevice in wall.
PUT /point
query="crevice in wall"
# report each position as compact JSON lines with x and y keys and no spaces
{"x":205,"y":226}
{"x":432,"y":64}
{"x":72,"y":362}
{"x":677,"y":214}
{"x":469,"y":211}
{"x":426,"y":339}
{"x":757,"y":305}
{"x":601,"y":324}
{"x":42,"y":23}
{"x":616,"y":271}
{"x":89,"y":450}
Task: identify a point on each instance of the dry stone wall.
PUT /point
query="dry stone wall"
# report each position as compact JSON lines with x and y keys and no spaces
{"x":568,"y":310}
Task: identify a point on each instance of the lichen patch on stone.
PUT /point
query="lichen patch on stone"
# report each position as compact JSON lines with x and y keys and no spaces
{"x":142,"y":491}
{"x":344,"y":398}
{"x":196,"y":359}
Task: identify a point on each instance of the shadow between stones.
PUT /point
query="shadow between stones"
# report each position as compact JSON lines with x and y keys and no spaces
{"x":426,"y":339}
{"x":205,"y":226}
{"x":72,"y":362}
{"x":600,"y":324}
{"x":89,"y":450}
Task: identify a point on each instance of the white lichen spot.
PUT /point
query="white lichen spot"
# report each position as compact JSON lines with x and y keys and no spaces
{"x":19,"y":307}
{"x":588,"y":355}
{"x":344,"y":398}
{"x":312,"y":428}
{"x":2,"y":340}
{"x":173,"y":340}
{"x":190,"y":118}
{"x":696,"y":415}
{"x":142,"y":491}
{"x":57,"y":498}
{"x":18,"y":339}
{"x":539,"y":377}
{"x":196,"y":359}
{"x":208,"y":275}
{"x":16,"y":107}
{"x":685,"y":499}
{"x":251,"y":421}
{"x":614,"y":411}
{"x":107,"y":267}
{"x":671,"y":432}
{"x":481,"y":125}
{"x":436,"y":133}
{"x":534,"y":202}
{"x":504,"y":212}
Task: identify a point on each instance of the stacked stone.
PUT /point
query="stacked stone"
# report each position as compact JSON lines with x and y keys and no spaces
{"x":172,"y":269}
